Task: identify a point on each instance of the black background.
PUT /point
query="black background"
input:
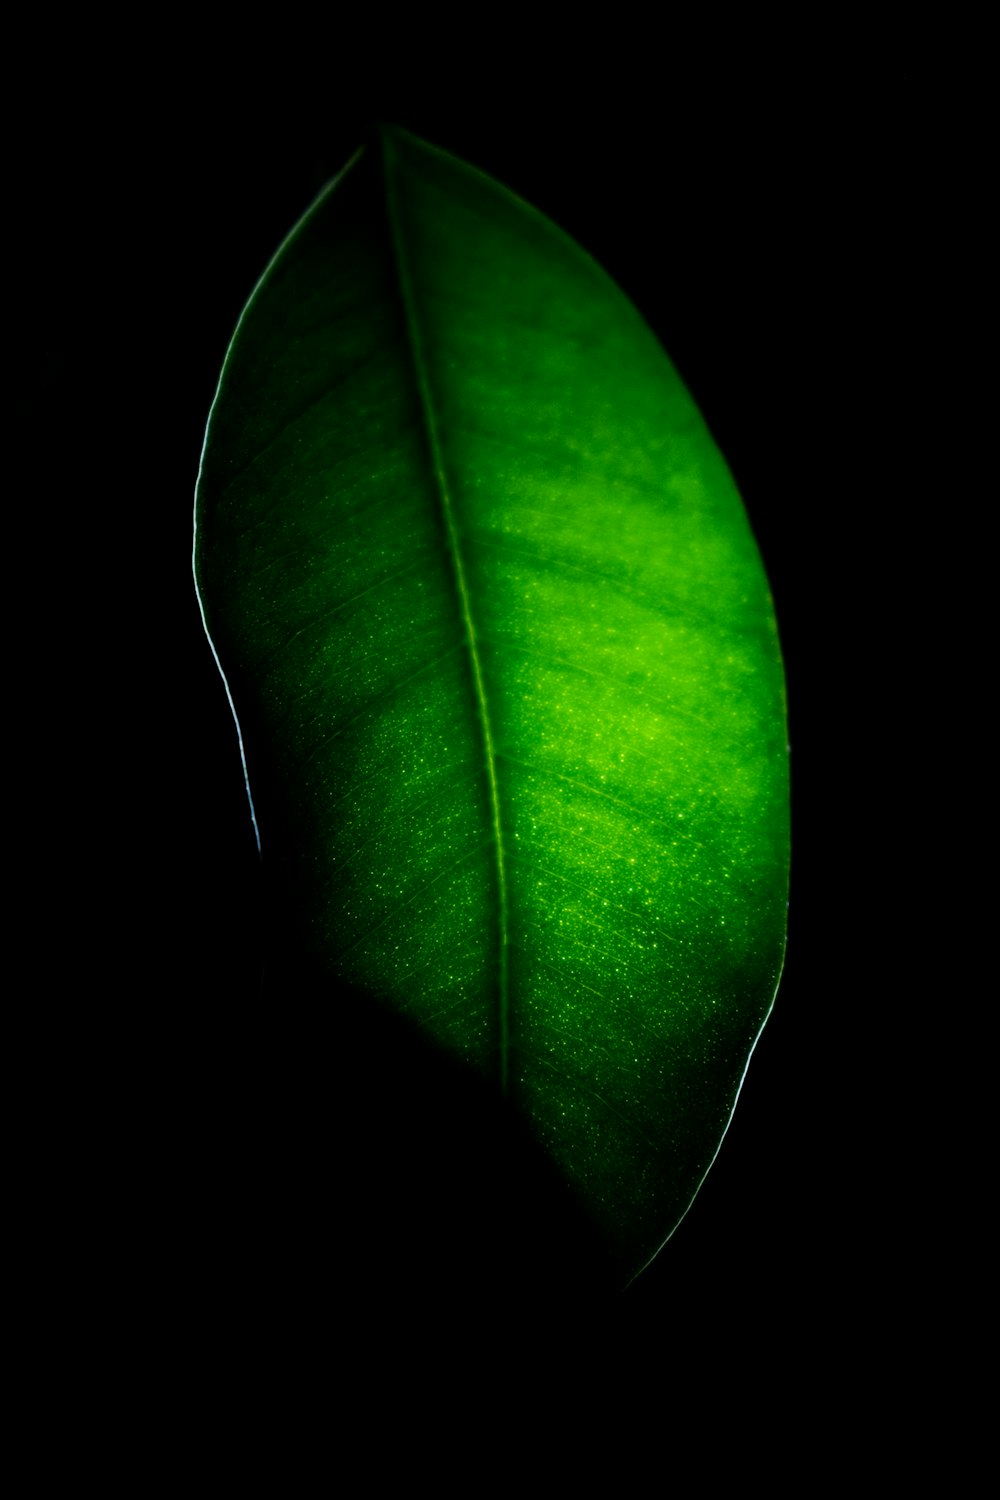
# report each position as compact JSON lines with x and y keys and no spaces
{"x":757,"y":211}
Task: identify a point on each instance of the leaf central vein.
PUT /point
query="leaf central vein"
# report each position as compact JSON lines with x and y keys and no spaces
{"x":452,"y":538}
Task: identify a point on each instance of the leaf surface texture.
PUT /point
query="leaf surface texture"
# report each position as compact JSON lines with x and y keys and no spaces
{"x":507,"y":669}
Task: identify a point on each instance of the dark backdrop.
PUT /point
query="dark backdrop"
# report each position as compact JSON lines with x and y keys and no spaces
{"x":753,"y":212}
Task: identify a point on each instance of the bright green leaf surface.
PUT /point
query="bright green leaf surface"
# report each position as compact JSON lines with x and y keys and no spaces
{"x":507,"y":669}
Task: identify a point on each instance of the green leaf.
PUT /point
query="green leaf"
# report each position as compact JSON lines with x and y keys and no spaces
{"x":507,"y":671}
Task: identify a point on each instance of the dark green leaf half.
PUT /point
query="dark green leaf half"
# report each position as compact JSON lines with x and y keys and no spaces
{"x":506,"y":663}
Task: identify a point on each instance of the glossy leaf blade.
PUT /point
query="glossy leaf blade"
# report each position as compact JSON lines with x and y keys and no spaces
{"x":506,"y":665}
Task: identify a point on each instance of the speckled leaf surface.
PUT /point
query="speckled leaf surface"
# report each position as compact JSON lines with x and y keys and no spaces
{"x":504,"y":657}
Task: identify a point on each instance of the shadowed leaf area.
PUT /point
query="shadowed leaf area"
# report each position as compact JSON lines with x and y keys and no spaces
{"x":508,"y":680}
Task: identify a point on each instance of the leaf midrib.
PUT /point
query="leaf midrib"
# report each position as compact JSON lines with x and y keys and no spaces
{"x":410,"y":312}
